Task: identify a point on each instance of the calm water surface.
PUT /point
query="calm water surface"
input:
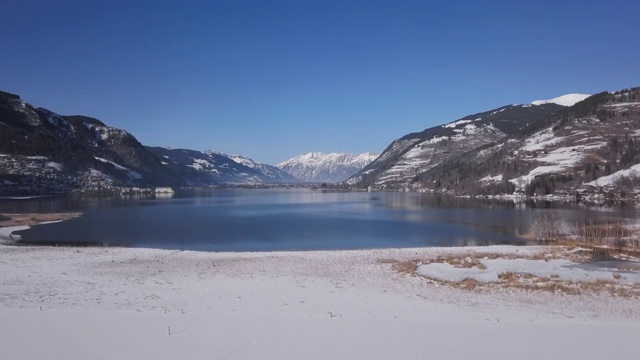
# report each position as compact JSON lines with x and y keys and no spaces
{"x":278,"y":219}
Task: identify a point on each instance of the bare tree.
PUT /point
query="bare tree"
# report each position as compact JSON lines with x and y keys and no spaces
{"x":546,"y":226}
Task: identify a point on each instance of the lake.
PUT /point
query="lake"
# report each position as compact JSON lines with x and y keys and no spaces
{"x":294,"y":219}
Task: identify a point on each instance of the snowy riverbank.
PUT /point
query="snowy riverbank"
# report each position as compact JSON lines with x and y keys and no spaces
{"x":105,"y":303}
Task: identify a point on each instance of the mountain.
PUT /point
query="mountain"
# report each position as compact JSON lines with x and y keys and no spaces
{"x":42,"y":152}
{"x":560,"y":146}
{"x":589,"y":145}
{"x":416,"y":153}
{"x":210,"y":168}
{"x":45,"y":152}
{"x":592,"y":146}
{"x":272,"y":172}
{"x":318,"y":167}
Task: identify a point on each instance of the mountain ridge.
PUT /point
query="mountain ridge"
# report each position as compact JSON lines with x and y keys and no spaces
{"x":533,"y":149}
{"x":590,"y":148}
{"x":43,"y":152}
{"x":418,"y":152}
{"x":579,"y":150}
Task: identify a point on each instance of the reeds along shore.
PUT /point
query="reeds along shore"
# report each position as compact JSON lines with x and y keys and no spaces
{"x":616,"y":235}
{"x":619,"y":235}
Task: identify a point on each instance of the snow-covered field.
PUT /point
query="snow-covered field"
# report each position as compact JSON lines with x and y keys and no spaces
{"x":118,"y":303}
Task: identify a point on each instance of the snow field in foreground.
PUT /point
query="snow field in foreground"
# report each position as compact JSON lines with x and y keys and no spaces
{"x":117,"y":303}
{"x":28,"y":334}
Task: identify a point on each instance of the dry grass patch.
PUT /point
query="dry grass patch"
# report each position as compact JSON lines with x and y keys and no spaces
{"x":33,"y":219}
{"x":469,"y":284}
{"x":531,"y":283}
{"x":628,"y":268}
{"x":461,"y":261}
{"x":524,"y":281}
{"x":471,"y":260}
{"x":508,"y":277}
{"x":563,"y":252}
{"x":617,"y":276}
{"x":466,"y":262}
{"x":554,"y":284}
{"x":406,"y":267}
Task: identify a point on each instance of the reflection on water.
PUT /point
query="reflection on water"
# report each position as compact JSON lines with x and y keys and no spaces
{"x":279,"y":219}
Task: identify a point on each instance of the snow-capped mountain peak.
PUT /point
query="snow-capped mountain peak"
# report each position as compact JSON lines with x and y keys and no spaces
{"x":331,"y":167}
{"x":564,"y":100}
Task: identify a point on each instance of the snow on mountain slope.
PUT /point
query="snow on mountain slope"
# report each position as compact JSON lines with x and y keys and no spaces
{"x":321,"y":167}
{"x":268,"y":170}
{"x":83,"y":153}
{"x":427,"y":154}
{"x":211,"y":167}
{"x":565,"y":151}
{"x":561,"y":160}
{"x":609,"y":180}
{"x":417,"y":153}
{"x":562,"y":153}
{"x":130,"y":173}
{"x":564,"y":100}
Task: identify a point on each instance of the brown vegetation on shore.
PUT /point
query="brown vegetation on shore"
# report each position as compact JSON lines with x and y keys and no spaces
{"x":7,"y":220}
{"x":603,"y":239}
{"x":527,"y":281}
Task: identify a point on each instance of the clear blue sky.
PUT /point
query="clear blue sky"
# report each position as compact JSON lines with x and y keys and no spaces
{"x":273,"y":79}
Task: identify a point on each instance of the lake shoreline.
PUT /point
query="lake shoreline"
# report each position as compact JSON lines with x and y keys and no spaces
{"x":30,"y":219}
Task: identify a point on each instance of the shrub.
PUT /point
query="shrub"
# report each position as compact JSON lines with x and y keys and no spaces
{"x":546,"y":226}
